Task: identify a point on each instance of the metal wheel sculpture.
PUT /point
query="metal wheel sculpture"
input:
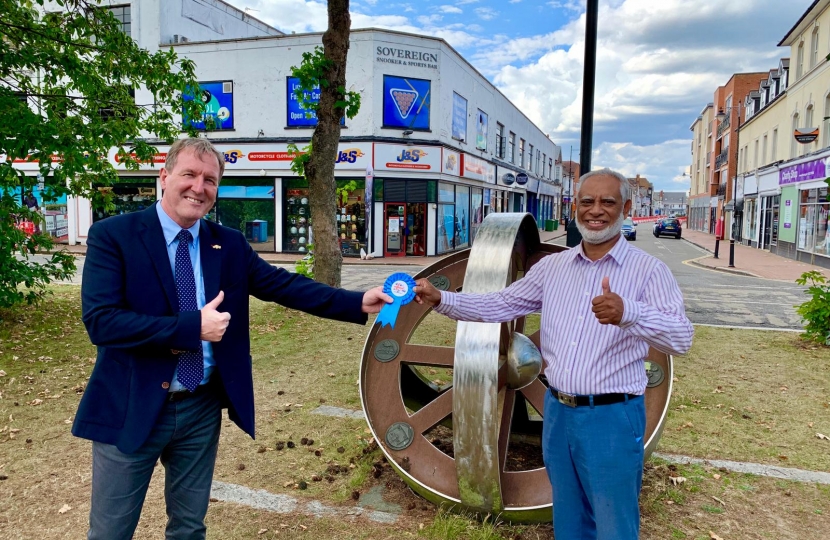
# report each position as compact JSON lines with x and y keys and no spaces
{"x":474,"y":444}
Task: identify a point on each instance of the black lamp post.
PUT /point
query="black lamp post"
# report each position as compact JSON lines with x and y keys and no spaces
{"x":721,"y":116}
{"x":573,"y":237}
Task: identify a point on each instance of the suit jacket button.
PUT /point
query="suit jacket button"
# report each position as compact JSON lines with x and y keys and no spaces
{"x":165,"y":385}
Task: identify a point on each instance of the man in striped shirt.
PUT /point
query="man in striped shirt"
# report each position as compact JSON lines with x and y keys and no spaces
{"x":603,"y":303}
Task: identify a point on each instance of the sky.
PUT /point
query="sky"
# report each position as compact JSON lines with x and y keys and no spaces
{"x":659,"y":62}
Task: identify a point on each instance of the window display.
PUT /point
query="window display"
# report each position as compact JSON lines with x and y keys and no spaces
{"x":247,"y":205}
{"x":297,"y":220}
{"x":812,"y":223}
{"x":128,"y":195}
{"x":350,"y":218}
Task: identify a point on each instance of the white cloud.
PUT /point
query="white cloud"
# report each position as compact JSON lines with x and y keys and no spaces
{"x":658,"y":162}
{"x":658,"y":64}
{"x":486,"y":13}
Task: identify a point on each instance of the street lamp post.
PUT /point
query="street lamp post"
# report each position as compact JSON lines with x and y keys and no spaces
{"x":721,"y":116}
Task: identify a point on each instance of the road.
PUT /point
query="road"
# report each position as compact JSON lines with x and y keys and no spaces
{"x":712,"y":297}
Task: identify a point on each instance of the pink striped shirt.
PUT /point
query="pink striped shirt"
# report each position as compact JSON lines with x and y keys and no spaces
{"x":582,"y":355}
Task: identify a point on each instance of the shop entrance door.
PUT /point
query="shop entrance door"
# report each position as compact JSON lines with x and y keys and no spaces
{"x":416,"y":228}
{"x":394,"y":222}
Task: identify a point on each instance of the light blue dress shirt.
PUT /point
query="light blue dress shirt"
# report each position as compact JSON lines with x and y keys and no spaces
{"x":171,"y":229}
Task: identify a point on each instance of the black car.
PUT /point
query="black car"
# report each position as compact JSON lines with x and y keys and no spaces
{"x":668,"y":226}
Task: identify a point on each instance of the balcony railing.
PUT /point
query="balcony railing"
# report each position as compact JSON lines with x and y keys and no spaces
{"x":723,"y":126}
{"x":722,"y":157}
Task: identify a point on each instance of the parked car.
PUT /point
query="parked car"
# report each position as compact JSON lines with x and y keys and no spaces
{"x":668,"y":226}
{"x":628,"y":230}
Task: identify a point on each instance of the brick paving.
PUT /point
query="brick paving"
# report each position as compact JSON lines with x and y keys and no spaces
{"x":748,"y":260}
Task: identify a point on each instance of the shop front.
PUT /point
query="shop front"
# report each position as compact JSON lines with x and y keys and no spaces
{"x":127,"y":194}
{"x":698,"y":213}
{"x":813,"y":241}
{"x":351,"y":219}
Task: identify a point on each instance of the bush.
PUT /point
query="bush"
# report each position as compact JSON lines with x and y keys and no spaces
{"x":815,"y":312}
{"x":305,"y":266}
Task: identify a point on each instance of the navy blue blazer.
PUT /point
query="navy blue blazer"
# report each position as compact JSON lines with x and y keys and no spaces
{"x":130,"y":309}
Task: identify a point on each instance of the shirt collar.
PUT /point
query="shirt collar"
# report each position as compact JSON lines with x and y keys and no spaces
{"x":171,"y":229}
{"x":617,"y":253}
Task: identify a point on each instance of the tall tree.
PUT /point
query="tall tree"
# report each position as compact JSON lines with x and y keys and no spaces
{"x":327,"y":67}
{"x":67,"y":84}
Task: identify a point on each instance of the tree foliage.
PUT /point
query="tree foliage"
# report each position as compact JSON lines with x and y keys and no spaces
{"x":68,"y":81}
{"x":326,"y":67}
{"x":815,"y":312}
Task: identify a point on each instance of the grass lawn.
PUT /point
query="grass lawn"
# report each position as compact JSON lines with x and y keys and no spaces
{"x":740,"y":395}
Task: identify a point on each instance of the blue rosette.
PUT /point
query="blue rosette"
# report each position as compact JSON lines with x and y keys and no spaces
{"x":401,"y":287}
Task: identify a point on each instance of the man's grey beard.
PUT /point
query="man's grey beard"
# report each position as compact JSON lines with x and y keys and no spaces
{"x":598,"y":237}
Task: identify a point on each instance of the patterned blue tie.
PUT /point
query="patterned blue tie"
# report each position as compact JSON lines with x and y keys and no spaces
{"x":191,"y":363}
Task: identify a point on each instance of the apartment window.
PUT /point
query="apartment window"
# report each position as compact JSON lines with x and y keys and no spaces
{"x":826,"y":123}
{"x":530,"y":161}
{"x":764,"y":151}
{"x":793,"y":143}
{"x":120,"y":106}
{"x":755,"y":156}
{"x":522,"y":153}
{"x":814,"y":48}
{"x":122,"y":15}
{"x":809,"y":125}
{"x":544,"y":160}
{"x":511,"y":147}
{"x":499,"y":141}
{"x":538,"y":157}
{"x":799,"y":69}
{"x":774,"y":150}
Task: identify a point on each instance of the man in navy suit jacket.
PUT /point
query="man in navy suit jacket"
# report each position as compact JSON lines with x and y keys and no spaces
{"x":137,"y":408}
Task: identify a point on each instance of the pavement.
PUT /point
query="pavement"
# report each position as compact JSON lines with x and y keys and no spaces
{"x":291,"y":258}
{"x":749,"y":261}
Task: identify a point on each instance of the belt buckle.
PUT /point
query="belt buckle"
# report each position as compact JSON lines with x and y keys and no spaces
{"x":566,"y":399}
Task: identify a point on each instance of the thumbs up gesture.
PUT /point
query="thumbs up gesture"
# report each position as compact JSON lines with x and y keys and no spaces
{"x":214,"y":322}
{"x":608,"y":307}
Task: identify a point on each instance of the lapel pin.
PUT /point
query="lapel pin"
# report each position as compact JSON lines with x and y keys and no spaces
{"x":216,"y":246}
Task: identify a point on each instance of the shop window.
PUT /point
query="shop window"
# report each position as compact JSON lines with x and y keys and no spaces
{"x":446,"y":192}
{"x":350,"y":219}
{"x":127,"y":195}
{"x":247,"y":205}
{"x":812,"y":226}
{"x":476,"y":212}
{"x":462,"y":216}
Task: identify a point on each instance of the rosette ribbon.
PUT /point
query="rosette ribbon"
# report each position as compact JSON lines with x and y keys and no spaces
{"x":401,"y":287}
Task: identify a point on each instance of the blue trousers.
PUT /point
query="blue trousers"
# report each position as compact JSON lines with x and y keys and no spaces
{"x":594,"y":459}
{"x":185,"y":438}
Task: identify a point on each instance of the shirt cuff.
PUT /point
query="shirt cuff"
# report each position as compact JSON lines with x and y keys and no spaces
{"x":631,"y":313}
{"x":447,"y":303}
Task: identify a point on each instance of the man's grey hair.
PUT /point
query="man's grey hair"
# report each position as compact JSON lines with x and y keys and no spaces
{"x":624,"y":186}
{"x":201,"y":147}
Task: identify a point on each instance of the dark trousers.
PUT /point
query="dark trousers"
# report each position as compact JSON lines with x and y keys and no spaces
{"x":185,"y":439}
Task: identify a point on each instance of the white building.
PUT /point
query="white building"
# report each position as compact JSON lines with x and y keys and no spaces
{"x":444,"y":146}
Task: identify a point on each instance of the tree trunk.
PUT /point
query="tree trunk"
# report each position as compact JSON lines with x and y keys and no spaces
{"x":328,"y":259}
